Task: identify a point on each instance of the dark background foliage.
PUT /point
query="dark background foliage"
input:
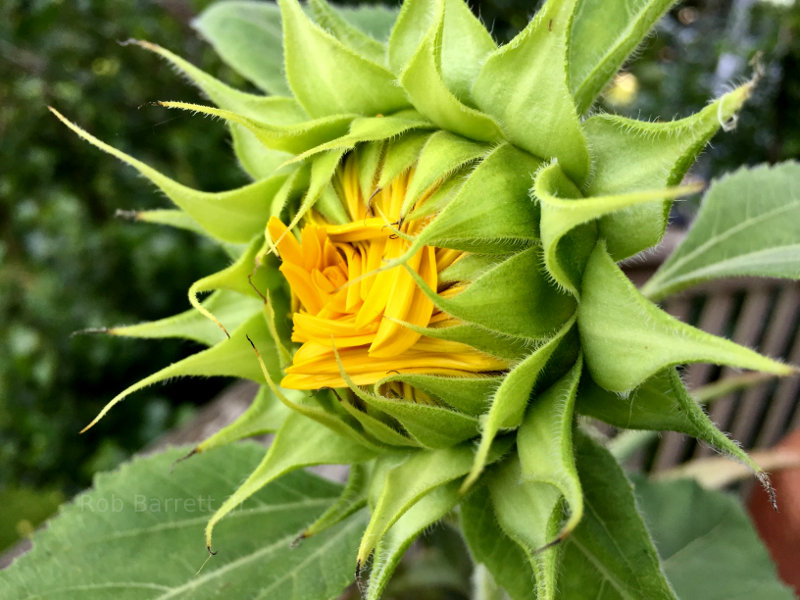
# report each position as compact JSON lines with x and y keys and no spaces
{"x":66,"y":263}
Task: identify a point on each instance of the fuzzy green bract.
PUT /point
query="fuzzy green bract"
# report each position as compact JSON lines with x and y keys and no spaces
{"x":544,"y":200}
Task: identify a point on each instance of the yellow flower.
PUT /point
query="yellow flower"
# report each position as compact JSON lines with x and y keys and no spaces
{"x":348,"y":312}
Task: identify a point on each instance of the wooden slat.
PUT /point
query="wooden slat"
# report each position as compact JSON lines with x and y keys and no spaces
{"x":756,"y":406}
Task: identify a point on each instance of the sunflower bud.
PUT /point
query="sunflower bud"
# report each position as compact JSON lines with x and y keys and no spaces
{"x":427,"y":264}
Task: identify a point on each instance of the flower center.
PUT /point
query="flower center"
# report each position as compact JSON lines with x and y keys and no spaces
{"x":344,"y":302}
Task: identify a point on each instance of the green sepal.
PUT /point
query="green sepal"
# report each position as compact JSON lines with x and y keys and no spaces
{"x":415,"y":19}
{"x":376,"y":20}
{"x":480,"y":338}
{"x":530,"y":306}
{"x":660,"y":403}
{"x":390,"y":549}
{"x":468,"y":395}
{"x":431,"y":426}
{"x":507,"y":223}
{"x":248,"y":37}
{"x":596,"y":555}
{"x":470,"y":266}
{"x":228,"y":307}
{"x":293,"y":188}
{"x":629,"y":155}
{"x":376,"y":428}
{"x":420,"y":473}
{"x":232,"y":357}
{"x":328,"y":77}
{"x":323,"y":168}
{"x":399,"y":154}
{"x":258,"y":161}
{"x":332,"y":21}
{"x":370,"y":129}
{"x":441,"y":156}
{"x":544,"y":444}
{"x":465,"y":46}
{"x":626,"y":338}
{"x":524,"y":86}
{"x":300,"y":442}
{"x":265,"y":414}
{"x":603,"y":35}
{"x":330,"y":206}
{"x":232,"y":216}
{"x":246,"y":275}
{"x":352,"y":498}
{"x":529,"y":512}
{"x":293,"y":138}
{"x":489,"y":545}
{"x":424,"y":83}
{"x":564,"y":210}
{"x":509,"y":401}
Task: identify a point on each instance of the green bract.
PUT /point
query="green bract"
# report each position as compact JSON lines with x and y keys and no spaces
{"x":543,"y":198}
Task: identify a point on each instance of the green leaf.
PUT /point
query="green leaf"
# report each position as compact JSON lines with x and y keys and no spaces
{"x":565,"y":211}
{"x":114,"y":540}
{"x":232,"y":216}
{"x":329,"y":78}
{"x":247,"y":35}
{"x":603,"y":35}
{"x":610,"y":552}
{"x":300,"y":442}
{"x":490,"y":546}
{"x":524,"y":86}
{"x":707,"y":543}
{"x":406,"y":529}
{"x":629,"y":155}
{"x":747,"y":225}
{"x":626,"y":339}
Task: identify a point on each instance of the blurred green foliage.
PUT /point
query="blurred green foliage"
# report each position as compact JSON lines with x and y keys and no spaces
{"x":67,"y":264}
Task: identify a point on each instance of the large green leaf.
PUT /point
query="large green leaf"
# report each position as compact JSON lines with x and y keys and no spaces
{"x":748,"y":224}
{"x":138,"y":535}
{"x":707,"y":544}
{"x":610,"y":554}
{"x":247,"y":35}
